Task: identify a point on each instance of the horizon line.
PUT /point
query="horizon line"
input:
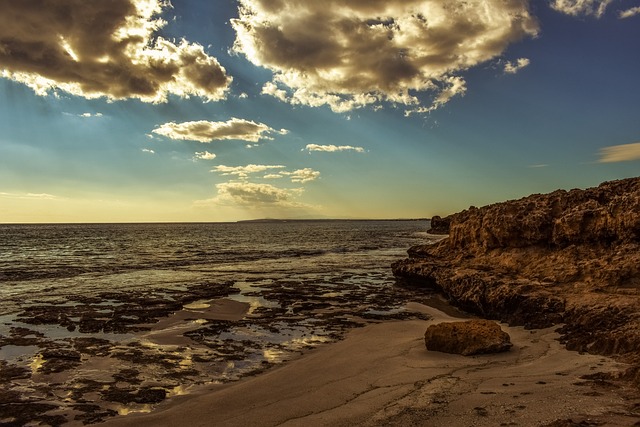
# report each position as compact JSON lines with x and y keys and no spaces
{"x":257,"y":220}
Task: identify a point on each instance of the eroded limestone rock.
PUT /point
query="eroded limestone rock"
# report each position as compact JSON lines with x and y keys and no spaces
{"x":467,"y":338}
{"x":569,"y":257}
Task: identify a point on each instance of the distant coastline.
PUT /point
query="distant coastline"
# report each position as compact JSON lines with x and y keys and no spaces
{"x":258,"y":220}
{"x":278,"y":220}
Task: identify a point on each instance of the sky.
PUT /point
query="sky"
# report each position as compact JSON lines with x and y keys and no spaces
{"x":220,"y":110}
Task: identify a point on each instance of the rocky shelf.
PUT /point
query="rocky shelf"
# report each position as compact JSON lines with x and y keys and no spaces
{"x":567,"y":258}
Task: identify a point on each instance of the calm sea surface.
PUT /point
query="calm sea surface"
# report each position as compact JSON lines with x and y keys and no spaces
{"x":41,"y":261}
{"x":85,"y":302}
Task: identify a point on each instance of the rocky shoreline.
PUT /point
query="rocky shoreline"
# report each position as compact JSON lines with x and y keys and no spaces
{"x":84,"y":359}
{"x":567,"y":258}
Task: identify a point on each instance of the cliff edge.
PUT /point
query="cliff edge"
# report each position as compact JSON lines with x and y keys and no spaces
{"x":567,"y":257}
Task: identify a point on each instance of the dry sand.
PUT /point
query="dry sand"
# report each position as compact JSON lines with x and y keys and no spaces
{"x":383,"y":375}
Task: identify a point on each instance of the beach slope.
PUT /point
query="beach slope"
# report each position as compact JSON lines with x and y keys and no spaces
{"x":382,"y":374}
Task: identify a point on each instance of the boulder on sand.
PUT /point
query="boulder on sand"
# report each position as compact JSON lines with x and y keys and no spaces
{"x":467,"y":338}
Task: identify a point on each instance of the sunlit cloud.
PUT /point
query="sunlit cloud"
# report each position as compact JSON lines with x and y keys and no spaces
{"x":302,"y":175}
{"x":205,"y":131}
{"x":148,"y":150}
{"x":620,"y":153}
{"x":106,"y":49}
{"x":89,"y":115}
{"x":629,"y":12}
{"x":270,"y":88}
{"x":513,"y":67}
{"x":254,"y":195}
{"x":244,"y":171}
{"x":245,"y":192}
{"x":348,"y":55}
{"x":595,"y":8}
{"x":448,"y":88}
{"x":204,"y":155}
{"x":333,"y":148}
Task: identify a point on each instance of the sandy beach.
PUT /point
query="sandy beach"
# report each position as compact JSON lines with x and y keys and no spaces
{"x":383,"y":375}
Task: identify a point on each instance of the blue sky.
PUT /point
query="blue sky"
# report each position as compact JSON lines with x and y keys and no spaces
{"x":137,"y":110}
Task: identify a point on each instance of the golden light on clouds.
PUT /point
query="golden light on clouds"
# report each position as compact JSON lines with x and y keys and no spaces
{"x":331,"y":148}
{"x":620,"y":153}
{"x":629,"y":12}
{"x":254,"y":195}
{"x":581,"y":7}
{"x":204,"y":155}
{"x":206,"y":131}
{"x":106,"y":49}
{"x":244,"y":171}
{"x":515,"y":66}
{"x":350,"y":54}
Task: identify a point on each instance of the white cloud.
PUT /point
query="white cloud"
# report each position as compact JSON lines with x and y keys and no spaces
{"x":244,"y":171}
{"x":581,"y":7}
{"x":89,"y":115}
{"x":103,"y":49}
{"x":351,"y":54}
{"x":205,"y":131}
{"x":451,"y":86}
{"x":204,"y":155}
{"x":620,"y":153}
{"x":629,"y":12}
{"x":255,"y":195}
{"x":270,"y":88}
{"x":333,"y":148}
{"x":147,"y":150}
{"x":538,"y":166}
{"x":244,"y":192}
{"x":303,"y":175}
{"x":514,"y":67}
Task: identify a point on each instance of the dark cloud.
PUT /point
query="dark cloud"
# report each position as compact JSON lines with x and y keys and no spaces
{"x":99,"y":48}
{"x":350,"y":54}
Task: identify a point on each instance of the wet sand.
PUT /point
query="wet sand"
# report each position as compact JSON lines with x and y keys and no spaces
{"x":383,"y":375}
{"x":171,"y":330}
{"x":87,"y":358}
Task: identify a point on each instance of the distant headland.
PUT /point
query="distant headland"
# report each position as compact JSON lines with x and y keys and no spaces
{"x":279,"y":220}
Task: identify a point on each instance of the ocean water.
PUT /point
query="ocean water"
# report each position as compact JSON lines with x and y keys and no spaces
{"x":80,"y":304}
{"x":45,"y":261}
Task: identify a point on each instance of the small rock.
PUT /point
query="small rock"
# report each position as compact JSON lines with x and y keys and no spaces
{"x":467,"y":338}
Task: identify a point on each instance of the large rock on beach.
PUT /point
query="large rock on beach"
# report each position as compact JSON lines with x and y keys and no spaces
{"x":467,"y":338}
{"x":567,"y":257}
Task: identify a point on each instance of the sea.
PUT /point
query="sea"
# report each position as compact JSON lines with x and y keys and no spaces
{"x":81,"y":305}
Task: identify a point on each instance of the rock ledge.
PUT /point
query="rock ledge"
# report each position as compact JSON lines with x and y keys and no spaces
{"x":570,"y":257}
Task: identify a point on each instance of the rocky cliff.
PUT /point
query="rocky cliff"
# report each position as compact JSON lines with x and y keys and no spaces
{"x":568,"y":257}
